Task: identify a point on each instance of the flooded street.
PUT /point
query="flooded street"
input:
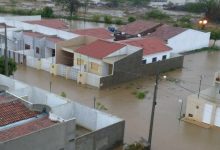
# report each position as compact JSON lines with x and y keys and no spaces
{"x":169,"y":133}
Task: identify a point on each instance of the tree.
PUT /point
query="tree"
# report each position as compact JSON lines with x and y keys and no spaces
{"x":11,"y":66}
{"x":212,"y":9}
{"x":69,"y":5}
{"x":215,"y":35}
{"x":63,"y":94}
{"x":131,"y":19}
{"x":47,"y":12}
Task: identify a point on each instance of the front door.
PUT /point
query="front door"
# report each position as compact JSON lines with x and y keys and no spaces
{"x":207,"y":113}
{"x":217,"y":117}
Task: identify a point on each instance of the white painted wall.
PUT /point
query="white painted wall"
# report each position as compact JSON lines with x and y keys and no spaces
{"x":189,"y":40}
{"x":159,"y":56}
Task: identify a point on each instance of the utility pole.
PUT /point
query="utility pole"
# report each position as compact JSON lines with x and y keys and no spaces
{"x":200,"y":84}
{"x":148,"y":147}
{"x":6,"y":51}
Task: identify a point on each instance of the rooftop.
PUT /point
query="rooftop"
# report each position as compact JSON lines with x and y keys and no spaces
{"x":14,"y":111}
{"x":100,"y":49}
{"x":52,"y":23}
{"x":150,"y":45}
{"x":101,"y":33}
{"x":25,"y":129}
{"x":138,"y":27}
{"x":52,"y":38}
{"x":166,"y":32}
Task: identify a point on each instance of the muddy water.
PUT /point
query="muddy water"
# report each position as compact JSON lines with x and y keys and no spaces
{"x":169,"y":133}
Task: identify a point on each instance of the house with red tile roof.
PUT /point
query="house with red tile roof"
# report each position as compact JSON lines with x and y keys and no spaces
{"x":100,"y":33}
{"x":98,"y":59}
{"x":154,"y":49}
{"x":136,"y":29}
{"x":182,"y":39}
{"x":45,"y":121}
{"x":51,"y":23}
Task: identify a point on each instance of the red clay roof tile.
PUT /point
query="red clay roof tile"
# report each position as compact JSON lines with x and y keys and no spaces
{"x":52,"y":23}
{"x":101,"y":33}
{"x":166,"y":32}
{"x":150,"y":45}
{"x":138,"y":27}
{"x":13,"y":112}
{"x":25,"y":129}
{"x":100,"y":49}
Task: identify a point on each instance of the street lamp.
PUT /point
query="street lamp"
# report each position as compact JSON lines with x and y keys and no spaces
{"x":203,"y":23}
{"x":148,"y":146}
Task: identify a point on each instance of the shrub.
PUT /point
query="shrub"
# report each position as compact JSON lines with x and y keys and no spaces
{"x":96,"y":18}
{"x":131,"y":19}
{"x":47,"y":12}
{"x":140,"y":95}
{"x":118,"y":22}
{"x":63,"y":94}
{"x":108,"y":19}
{"x":157,"y":14}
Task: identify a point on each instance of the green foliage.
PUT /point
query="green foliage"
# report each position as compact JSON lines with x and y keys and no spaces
{"x":11,"y":66}
{"x":118,"y":22}
{"x":100,"y":106}
{"x":195,"y":7}
{"x":96,"y":18}
{"x":184,"y":22}
{"x":141,"y":95}
{"x":63,"y":94}
{"x":215,"y":35}
{"x":157,"y":14}
{"x":131,"y":19}
{"x":47,"y":12}
{"x":139,"y":2}
{"x":108,"y":19}
{"x":71,"y":6}
{"x":135,"y":146}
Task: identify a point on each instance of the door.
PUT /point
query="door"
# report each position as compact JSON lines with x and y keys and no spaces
{"x":217,"y":117}
{"x":207,"y":113}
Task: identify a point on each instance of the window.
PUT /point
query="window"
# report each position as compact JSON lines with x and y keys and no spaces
{"x":144,"y":61}
{"x":53,"y":52}
{"x":80,"y":61}
{"x":164,"y":57}
{"x":26,"y":46}
{"x":37,"y":50}
{"x":94,"y":66}
{"x":154,"y":59}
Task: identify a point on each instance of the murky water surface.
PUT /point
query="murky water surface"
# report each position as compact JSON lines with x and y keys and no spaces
{"x":169,"y":133}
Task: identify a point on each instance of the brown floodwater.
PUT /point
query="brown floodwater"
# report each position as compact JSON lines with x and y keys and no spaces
{"x":169,"y":133}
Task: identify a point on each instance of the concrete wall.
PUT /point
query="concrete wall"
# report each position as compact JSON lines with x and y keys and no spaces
{"x":103,"y":139}
{"x":189,"y":40}
{"x":67,"y":58}
{"x":124,"y":72}
{"x":125,"y":69}
{"x":56,"y":137}
{"x":159,"y":56}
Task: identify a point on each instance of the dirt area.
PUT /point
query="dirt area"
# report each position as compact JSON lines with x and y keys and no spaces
{"x":169,"y":133}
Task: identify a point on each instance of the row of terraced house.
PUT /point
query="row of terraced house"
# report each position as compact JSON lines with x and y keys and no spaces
{"x":96,"y":56}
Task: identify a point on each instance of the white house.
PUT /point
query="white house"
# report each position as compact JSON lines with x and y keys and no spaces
{"x":205,"y":107}
{"x":98,"y":58}
{"x":154,"y":49}
{"x":181,"y":39}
